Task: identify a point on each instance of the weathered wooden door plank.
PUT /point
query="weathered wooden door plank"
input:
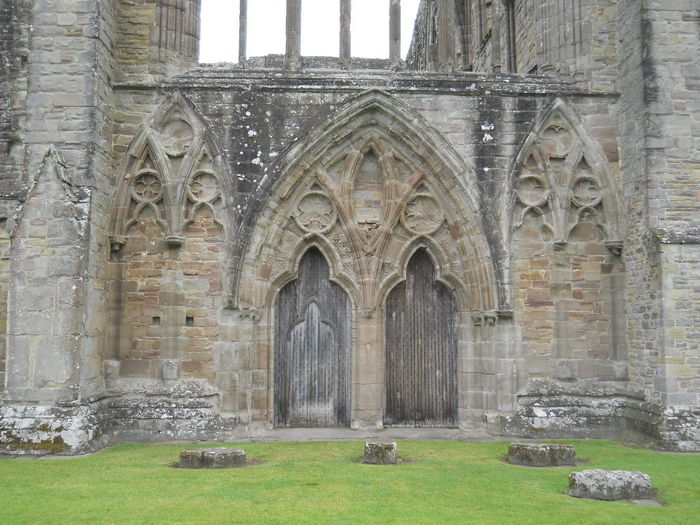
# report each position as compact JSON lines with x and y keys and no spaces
{"x":421,"y":350}
{"x":312,"y":349}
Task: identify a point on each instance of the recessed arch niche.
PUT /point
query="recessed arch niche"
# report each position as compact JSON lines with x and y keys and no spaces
{"x":368,"y":189}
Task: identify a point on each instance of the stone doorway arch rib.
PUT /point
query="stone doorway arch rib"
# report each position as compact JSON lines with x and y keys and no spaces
{"x":368,"y":188}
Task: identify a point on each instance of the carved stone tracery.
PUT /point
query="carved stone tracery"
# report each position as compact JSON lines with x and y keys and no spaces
{"x":422,"y":214}
{"x":363,"y":198}
{"x":559,"y":182}
{"x":170,"y":173}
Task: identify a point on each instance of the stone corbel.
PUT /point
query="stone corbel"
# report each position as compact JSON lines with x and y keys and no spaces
{"x":615,"y":247}
{"x":491,"y":317}
{"x":250,"y":313}
{"x":116,"y":243}
{"x":175,"y":241}
{"x":560,"y":245}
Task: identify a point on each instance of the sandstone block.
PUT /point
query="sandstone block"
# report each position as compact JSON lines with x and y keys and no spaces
{"x":380,"y":453}
{"x":610,"y":485}
{"x":541,"y":454}
{"x":212,"y":458}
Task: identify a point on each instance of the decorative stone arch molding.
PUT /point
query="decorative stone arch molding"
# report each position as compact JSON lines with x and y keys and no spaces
{"x":561,"y":174}
{"x":563,"y":221}
{"x":168,"y":234}
{"x":371,"y":180}
{"x":173,"y":168}
{"x":370,"y":188}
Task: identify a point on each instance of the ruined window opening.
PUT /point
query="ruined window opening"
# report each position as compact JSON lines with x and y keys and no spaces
{"x":267,"y":27}
{"x":369,"y":28}
{"x":219,"y":31}
{"x":189,"y":321}
{"x":320,"y":28}
{"x":156,"y":320}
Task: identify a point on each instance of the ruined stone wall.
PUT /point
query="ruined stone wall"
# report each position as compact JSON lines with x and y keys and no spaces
{"x":157,"y":38}
{"x":254,"y":127}
{"x":14,"y":29}
{"x":162,"y":211}
{"x":576,"y":38}
{"x":65,"y":131}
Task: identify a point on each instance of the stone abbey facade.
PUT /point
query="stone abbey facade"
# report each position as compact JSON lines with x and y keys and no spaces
{"x":499,"y":234}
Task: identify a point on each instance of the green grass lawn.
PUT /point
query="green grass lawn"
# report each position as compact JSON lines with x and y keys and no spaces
{"x":450,"y":482}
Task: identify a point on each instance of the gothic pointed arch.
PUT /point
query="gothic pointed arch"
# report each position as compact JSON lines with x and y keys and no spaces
{"x":369,"y":181}
{"x":168,"y":238}
{"x":563,"y":222}
{"x":173,"y":168}
{"x":562,"y":175}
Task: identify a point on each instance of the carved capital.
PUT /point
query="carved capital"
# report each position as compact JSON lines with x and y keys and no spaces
{"x":615,"y":247}
{"x":175,"y":241}
{"x":116,"y":243}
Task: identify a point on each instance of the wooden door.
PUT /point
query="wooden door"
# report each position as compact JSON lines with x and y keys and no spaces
{"x":421,"y":350}
{"x":312,"y":349}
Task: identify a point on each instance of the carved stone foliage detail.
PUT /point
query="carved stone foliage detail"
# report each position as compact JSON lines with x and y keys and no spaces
{"x":563,"y":180}
{"x":315,"y":213}
{"x":422,"y":215}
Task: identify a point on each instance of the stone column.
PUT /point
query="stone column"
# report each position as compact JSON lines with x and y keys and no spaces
{"x":496,"y":37}
{"x":293,"y":54}
{"x":242,"y":32}
{"x":445,"y":45}
{"x":395,"y":33}
{"x":345,"y":39}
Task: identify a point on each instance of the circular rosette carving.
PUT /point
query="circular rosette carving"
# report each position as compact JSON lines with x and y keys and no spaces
{"x":203,"y":188}
{"x":532,"y":191}
{"x":557,"y":141}
{"x":147,"y":187}
{"x":176,"y":137}
{"x":586,"y":193}
{"x":316,"y":213}
{"x":423,"y":215}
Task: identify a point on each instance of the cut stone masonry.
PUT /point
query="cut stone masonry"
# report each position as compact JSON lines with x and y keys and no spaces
{"x":497,"y":233}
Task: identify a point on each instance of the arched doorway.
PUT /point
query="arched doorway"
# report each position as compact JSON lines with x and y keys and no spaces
{"x":421,"y":350}
{"x":312,"y":349}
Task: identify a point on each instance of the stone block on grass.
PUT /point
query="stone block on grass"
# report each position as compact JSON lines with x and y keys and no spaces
{"x":212,"y":458}
{"x":380,"y":453}
{"x":610,"y":485}
{"x":541,"y":454}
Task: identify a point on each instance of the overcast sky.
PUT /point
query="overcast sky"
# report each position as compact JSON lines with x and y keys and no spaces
{"x":320,"y":28}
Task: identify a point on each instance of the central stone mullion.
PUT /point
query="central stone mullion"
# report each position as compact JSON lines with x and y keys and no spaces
{"x":368,"y":370}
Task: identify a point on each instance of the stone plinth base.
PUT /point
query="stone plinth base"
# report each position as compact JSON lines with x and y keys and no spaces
{"x":541,"y":454}
{"x":610,"y":485}
{"x":380,"y":453}
{"x":212,"y":458}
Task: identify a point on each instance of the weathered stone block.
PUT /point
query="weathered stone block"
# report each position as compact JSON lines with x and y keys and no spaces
{"x":212,"y":458}
{"x":541,"y":454}
{"x":380,"y":453}
{"x":610,"y":485}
